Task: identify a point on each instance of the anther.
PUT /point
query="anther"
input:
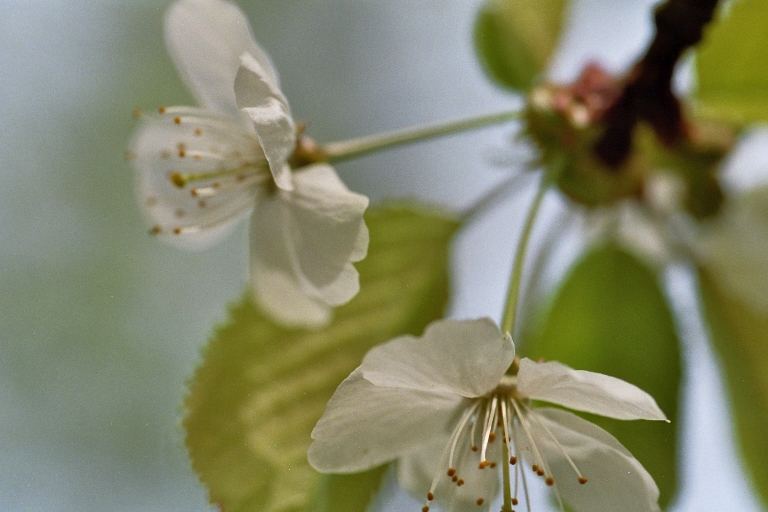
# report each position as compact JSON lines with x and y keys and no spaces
{"x":454,"y":479}
{"x":513,"y":460}
{"x":460,"y":482}
{"x":177,"y":179}
{"x":540,"y":472}
{"x":493,"y":465}
{"x":480,"y":502}
{"x":176,"y":231}
{"x":491,"y":437}
{"x":177,"y":120}
{"x":161,"y":110}
{"x":136,"y":113}
{"x":182,"y":150}
{"x":583,"y":480}
{"x":430,"y":496}
{"x":535,"y":468}
{"x":451,"y":471}
{"x":483,"y":464}
{"x":425,"y":508}
{"x":550,"y":481}
{"x":515,"y":501}
{"x":474,"y":448}
{"x":155,"y":230}
{"x":198,"y":132}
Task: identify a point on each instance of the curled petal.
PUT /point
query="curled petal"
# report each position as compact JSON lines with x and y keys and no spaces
{"x":586,"y":391}
{"x":365,"y":425}
{"x":616,"y":480}
{"x":327,"y":233}
{"x":465,"y":357}
{"x":223,"y":156}
{"x":268,"y":110}
{"x":205,"y":39}
{"x":276,"y":287}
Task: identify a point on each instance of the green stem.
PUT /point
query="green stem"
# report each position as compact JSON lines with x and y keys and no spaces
{"x":513,"y":292}
{"x":507,"y":505}
{"x":343,"y":150}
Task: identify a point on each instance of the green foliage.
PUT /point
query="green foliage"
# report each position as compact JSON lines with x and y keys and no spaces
{"x":732,"y":71}
{"x":346,"y":492}
{"x":261,"y":388}
{"x":516,"y":38}
{"x":739,"y":337}
{"x":610,"y":316}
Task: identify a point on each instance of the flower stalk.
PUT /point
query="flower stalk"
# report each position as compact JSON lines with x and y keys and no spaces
{"x":343,"y":150}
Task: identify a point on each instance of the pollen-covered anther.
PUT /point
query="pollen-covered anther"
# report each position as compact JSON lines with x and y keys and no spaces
{"x":491,"y":437}
{"x":161,"y":110}
{"x":425,"y":508}
{"x":583,"y":480}
{"x":460,"y":482}
{"x":474,"y":448}
{"x":480,"y":502}
{"x":177,"y":120}
{"x":483,"y":464}
{"x":177,"y":179}
{"x":549,"y":481}
{"x":535,"y":468}
{"x":430,"y":496}
{"x":451,"y":471}
{"x":454,"y":479}
{"x":513,"y":460}
{"x":515,"y":501}
{"x":493,"y":465}
{"x":182,"y":149}
{"x":155,"y":230}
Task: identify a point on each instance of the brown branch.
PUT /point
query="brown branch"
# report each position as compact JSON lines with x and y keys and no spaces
{"x":647,"y":94}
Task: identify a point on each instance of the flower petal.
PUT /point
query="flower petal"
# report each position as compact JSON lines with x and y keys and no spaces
{"x":617,"y":481}
{"x":201,"y":142}
{"x":465,"y":357}
{"x":416,"y":470}
{"x":365,"y":425}
{"x":276,"y":287}
{"x":205,"y":38}
{"x":327,"y":233}
{"x":268,"y":109}
{"x":586,"y":391}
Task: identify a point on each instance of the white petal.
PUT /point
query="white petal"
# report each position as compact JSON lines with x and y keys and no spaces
{"x":200,"y":143}
{"x":268,"y":109}
{"x":276,"y":287}
{"x":416,"y":470}
{"x":324,"y":221}
{"x":365,"y":425}
{"x":617,"y":481}
{"x":466,"y":357}
{"x":205,"y":39}
{"x":586,"y":391}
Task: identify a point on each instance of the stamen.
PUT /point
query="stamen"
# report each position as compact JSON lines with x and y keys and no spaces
{"x":181,"y":179}
{"x":581,"y":478}
{"x":487,"y":429}
{"x":537,"y":453}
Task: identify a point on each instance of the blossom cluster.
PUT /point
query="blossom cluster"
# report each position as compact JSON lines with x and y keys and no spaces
{"x":461,"y":416}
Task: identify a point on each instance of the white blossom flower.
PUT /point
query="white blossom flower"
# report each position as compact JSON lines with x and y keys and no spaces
{"x":200,"y":169}
{"x":445,"y":406}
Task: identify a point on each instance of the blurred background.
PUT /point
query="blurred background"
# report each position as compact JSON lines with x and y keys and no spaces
{"x":101,"y":325}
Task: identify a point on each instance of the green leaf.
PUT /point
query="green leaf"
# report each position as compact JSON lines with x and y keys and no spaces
{"x":261,"y":387}
{"x":739,"y":337}
{"x":610,"y":316}
{"x":731,"y":66}
{"x":516,"y":38}
{"x":346,"y":492}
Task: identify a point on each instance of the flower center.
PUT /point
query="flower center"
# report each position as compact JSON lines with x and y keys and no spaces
{"x":499,"y":429}
{"x":214,"y":165}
